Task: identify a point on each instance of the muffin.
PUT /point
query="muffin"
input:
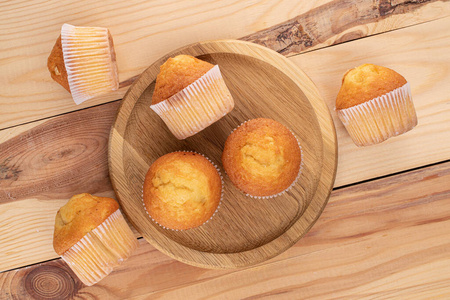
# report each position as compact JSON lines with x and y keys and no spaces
{"x":190,"y":95}
{"x":92,"y":236}
{"x":262,"y":158}
{"x":83,"y":61}
{"x":374,"y":104}
{"x":182,"y":190}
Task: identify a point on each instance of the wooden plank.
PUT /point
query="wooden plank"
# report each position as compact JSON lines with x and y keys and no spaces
{"x":421,"y":54}
{"x":338,"y":21}
{"x":149,"y":31}
{"x":384,"y":238}
{"x":55,"y":160}
{"x":43,"y":164}
{"x":45,"y":161}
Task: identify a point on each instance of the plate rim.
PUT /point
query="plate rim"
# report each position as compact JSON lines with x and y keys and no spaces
{"x":328,"y":144}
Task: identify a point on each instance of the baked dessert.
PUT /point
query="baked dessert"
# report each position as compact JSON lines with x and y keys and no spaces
{"x":374,"y":104}
{"x":182,"y":190}
{"x":92,"y":236}
{"x":83,"y":61}
{"x":190,"y":95}
{"x":55,"y":64}
{"x":262,"y":158}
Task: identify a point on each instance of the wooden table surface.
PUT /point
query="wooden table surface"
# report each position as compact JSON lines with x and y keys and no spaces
{"x":385,"y":232}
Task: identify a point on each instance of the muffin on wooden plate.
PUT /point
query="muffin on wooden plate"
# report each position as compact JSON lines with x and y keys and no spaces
{"x":182,"y":190}
{"x":374,"y":104}
{"x":190,"y":95}
{"x":83,"y":61}
{"x":262,"y":158}
{"x":92,"y":236}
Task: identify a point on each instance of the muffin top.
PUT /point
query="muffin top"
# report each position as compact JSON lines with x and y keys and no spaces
{"x":182,"y":190}
{"x":262,"y":157}
{"x":176,"y":74}
{"x":83,"y":213}
{"x":366,"y":82}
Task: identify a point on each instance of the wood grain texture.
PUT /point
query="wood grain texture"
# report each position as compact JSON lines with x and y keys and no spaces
{"x":75,"y":145}
{"x":150,"y":29}
{"x":244,"y":231}
{"x":41,"y":167}
{"x":425,"y":47}
{"x":345,"y":21}
{"x":421,"y":54}
{"x":386,"y":238}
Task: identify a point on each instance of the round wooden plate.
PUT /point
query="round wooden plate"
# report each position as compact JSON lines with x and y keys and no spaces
{"x":244,"y":231}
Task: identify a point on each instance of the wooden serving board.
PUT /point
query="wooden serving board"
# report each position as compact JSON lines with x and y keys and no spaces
{"x":244,"y":231}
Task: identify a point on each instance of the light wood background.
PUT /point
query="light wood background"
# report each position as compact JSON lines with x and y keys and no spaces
{"x":380,"y":238}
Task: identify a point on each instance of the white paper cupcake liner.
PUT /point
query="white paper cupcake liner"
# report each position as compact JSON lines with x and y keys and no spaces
{"x":378,"y":119}
{"x":101,"y":250}
{"x":210,"y":218}
{"x":197,"y":106}
{"x":90,"y":62}
{"x":293,"y":182}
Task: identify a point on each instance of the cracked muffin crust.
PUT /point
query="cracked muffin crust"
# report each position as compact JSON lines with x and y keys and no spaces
{"x":92,"y":236}
{"x":182,"y":190}
{"x":374,"y":104}
{"x":262,"y":157}
{"x":189,"y":95}
{"x":80,"y":215}
{"x":177,"y":73}
{"x":367,"y":82}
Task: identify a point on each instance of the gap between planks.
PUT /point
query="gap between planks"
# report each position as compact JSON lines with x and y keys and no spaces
{"x":391,"y":175}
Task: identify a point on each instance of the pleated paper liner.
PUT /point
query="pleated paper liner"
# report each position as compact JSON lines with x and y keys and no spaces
{"x":375,"y":121}
{"x":209,"y":219}
{"x":90,"y":61}
{"x":101,"y":250}
{"x":197,"y":106}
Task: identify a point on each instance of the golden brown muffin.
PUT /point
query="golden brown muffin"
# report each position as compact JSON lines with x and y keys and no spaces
{"x":262,"y":157}
{"x":366,"y":82}
{"x":176,"y":74}
{"x":92,"y":236}
{"x":182,"y":190}
{"x":83,"y":61}
{"x":79,"y":216}
{"x":55,"y":64}
{"x":374,"y":104}
{"x":190,"y":95}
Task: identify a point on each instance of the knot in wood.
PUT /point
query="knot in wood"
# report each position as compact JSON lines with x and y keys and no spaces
{"x":293,"y":36}
{"x":50,"y":282}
